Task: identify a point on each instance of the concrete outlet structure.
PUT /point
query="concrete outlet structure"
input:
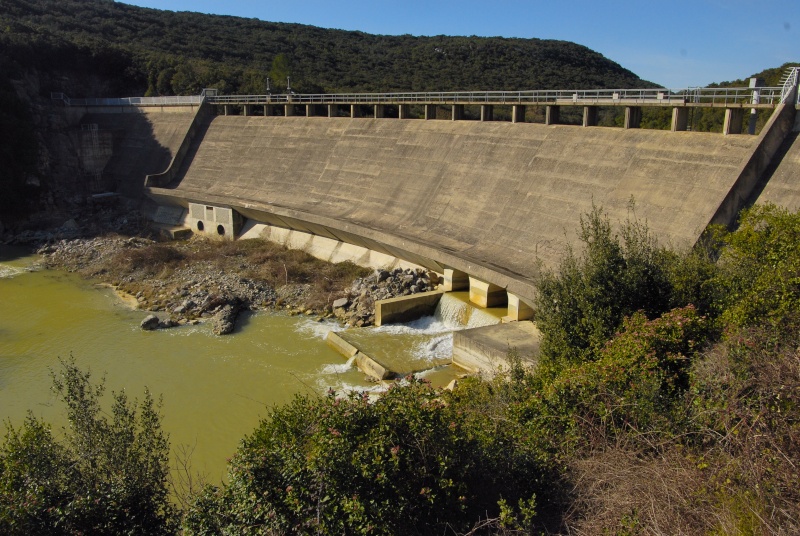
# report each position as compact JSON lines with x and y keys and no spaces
{"x":218,"y":222}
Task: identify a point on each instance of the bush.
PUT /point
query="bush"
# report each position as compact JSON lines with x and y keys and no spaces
{"x":402,"y":464}
{"x":761,"y":268}
{"x":583,"y":302}
{"x":104,"y":477}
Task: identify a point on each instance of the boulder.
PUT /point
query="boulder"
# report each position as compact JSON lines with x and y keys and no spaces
{"x":150,"y":323}
{"x":341,"y":303}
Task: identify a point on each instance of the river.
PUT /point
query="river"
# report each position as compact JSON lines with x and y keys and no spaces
{"x":215,"y":389}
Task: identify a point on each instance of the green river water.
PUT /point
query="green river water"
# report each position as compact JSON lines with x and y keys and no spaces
{"x":215,"y":389}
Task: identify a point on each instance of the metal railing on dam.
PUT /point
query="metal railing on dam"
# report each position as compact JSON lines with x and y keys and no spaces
{"x":766,"y":97}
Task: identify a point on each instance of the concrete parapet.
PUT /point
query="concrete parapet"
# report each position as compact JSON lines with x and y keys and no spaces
{"x":486,"y":349}
{"x":340,"y":345}
{"x":486,"y":294}
{"x":406,"y":308}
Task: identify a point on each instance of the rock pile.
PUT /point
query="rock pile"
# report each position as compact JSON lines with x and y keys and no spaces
{"x":358,"y":308}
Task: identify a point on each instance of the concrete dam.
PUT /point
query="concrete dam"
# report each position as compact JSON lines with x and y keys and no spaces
{"x":484,"y":203}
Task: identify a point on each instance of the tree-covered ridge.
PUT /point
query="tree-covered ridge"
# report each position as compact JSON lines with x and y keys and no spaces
{"x":180,"y":52}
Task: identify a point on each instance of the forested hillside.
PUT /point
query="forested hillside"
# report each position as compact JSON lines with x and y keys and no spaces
{"x":164,"y":53}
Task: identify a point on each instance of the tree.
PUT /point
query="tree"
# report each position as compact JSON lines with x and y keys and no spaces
{"x":105,"y":476}
{"x":280,"y":70}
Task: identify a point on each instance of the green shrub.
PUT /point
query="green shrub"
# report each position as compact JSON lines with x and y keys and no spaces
{"x":401,"y":464}
{"x":104,"y":477}
{"x":760,"y":267}
{"x":583,"y":302}
{"x":634,"y":386}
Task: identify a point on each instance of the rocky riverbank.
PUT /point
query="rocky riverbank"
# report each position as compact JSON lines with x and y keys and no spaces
{"x":202,"y":280}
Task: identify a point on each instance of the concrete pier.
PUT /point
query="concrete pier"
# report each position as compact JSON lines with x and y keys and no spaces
{"x":552,"y":115}
{"x":518,"y":309}
{"x":354,"y":111}
{"x":733,"y":121}
{"x":455,"y":280}
{"x":332,"y":109}
{"x":430,"y":111}
{"x":633,"y":117}
{"x":680,"y":119}
{"x":590,"y":116}
{"x":487,"y":112}
{"x":518,"y":113}
{"x":457,"y":112}
{"x":288,"y":110}
{"x":404,"y":111}
{"x":485,"y":294}
{"x":379,"y":111}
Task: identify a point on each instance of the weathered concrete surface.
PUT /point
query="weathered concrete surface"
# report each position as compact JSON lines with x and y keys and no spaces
{"x":486,"y":349}
{"x":405,"y":308}
{"x":753,"y":169}
{"x":486,"y":198}
{"x":340,"y":345}
{"x":783,"y":180}
{"x":145,"y":140}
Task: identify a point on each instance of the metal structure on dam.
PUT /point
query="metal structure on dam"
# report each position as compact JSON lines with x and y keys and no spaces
{"x":483,"y":202}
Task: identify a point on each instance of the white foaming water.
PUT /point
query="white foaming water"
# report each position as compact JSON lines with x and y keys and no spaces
{"x":7,"y":272}
{"x":340,"y":368}
{"x":317,"y":330}
{"x":458,"y":314}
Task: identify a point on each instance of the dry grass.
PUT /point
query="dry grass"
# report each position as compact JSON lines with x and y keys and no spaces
{"x":308,"y":281}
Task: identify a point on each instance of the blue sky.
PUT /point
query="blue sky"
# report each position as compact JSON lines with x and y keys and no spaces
{"x":675,"y":43}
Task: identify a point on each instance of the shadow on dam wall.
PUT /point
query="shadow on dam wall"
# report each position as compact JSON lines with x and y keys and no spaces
{"x":491,"y":199}
{"x":123,"y":145}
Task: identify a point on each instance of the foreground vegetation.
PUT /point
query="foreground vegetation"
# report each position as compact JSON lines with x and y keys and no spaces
{"x":666,"y":401}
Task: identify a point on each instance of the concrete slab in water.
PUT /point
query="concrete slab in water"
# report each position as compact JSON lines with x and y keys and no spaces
{"x":486,"y":349}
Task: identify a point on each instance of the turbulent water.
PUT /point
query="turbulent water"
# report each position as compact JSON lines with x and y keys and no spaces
{"x":215,"y":389}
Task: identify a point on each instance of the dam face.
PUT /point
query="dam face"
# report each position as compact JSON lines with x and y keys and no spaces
{"x":490,"y":199}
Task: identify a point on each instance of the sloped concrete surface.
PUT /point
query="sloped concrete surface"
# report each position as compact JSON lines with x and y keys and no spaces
{"x":487,"y":198}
